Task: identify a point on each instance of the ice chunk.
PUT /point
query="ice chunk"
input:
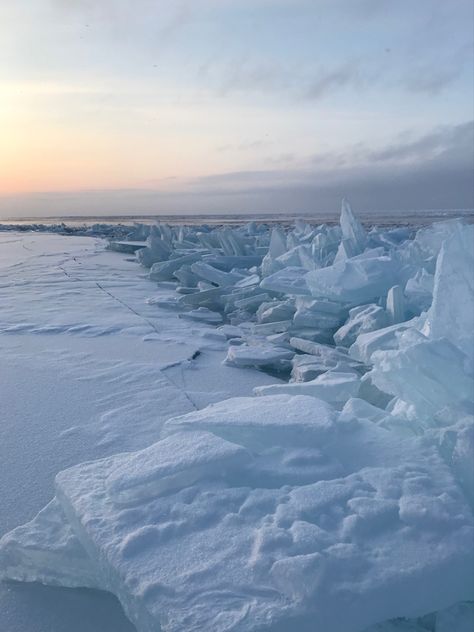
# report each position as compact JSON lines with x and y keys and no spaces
{"x":276,"y":248}
{"x":335,"y":387}
{"x":452,"y":313}
{"x":363,"y":319}
{"x":269,"y":312}
{"x":396,"y":305}
{"x":299,"y":256}
{"x":456,"y":444}
{"x":306,"y":367}
{"x":273,"y":327}
{"x":430,"y":239}
{"x":384,"y":339}
{"x":209,"y":273}
{"x":357,"y":408}
{"x":46,"y":550}
{"x":419,"y":291}
{"x":281,"y":420}
{"x":157,"y":248}
{"x":354,"y":281}
{"x":319,"y":313}
{"x":394,"y":530}
{"x":127,"y":247}
{"x":259,"y":355}
{"x":290,"y":280}
{"x":173,"y":463}
{"x":429,"y":375}
{"x":352,"y":229}
{"x":326,"y":354}
{"x":164,"y":270}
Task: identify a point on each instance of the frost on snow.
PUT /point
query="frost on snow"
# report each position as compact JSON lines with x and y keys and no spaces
{"x":340,"y":497}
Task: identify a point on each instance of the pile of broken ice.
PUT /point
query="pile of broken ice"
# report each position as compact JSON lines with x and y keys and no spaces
{"x":339,"y":501}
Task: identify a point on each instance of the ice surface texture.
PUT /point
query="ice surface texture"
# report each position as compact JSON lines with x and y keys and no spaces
{"x":340,"y":498}
{"x":386,"y":523}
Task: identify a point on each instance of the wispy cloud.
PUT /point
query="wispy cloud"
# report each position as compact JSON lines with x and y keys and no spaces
{"x":332,"y":79}
{"x":439,"y":141}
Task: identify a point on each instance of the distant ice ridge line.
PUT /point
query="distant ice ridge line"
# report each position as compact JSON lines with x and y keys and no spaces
{"x":338,"y":500}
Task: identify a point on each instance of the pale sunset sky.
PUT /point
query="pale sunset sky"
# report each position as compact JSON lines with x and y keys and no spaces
{"x":154,"y":106}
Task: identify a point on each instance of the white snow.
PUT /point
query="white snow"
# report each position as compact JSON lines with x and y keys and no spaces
{"x":340,"y":499}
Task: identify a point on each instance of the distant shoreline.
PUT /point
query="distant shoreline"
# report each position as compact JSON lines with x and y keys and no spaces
{"x":381,"y":218}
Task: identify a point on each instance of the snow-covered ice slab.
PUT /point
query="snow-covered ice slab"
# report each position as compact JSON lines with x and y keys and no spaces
{"x":389,"y":535}
{"x":171,"y":464}
{"x":259,"y":355}
{"x":46,"y":550}
{"x":281,"y":420}
{"x":335,"y":387}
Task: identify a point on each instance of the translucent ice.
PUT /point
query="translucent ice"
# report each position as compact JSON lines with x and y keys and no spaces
{"x":354,"y":281}
{"x":363,"y":319}
{"x":353,"y":233}
{"x":451,"y":314}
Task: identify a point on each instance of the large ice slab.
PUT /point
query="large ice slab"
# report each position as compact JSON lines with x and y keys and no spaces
{"x":281,"y":420}
{"x":390,"y":537}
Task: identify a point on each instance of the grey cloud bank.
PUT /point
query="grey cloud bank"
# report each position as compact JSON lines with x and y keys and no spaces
{"x":434,"y":171}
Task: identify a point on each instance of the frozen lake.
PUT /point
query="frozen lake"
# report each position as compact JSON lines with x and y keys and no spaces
{"x":287,"y":429}
{"x":80,"y":355}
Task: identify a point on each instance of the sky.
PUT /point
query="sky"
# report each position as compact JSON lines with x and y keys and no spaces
{"x":227,"y":106}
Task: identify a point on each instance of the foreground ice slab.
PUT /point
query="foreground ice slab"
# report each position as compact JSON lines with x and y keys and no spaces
{"x":382,"y":533}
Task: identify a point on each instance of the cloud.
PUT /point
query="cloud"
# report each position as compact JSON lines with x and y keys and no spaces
{"x":332,"y":79}
{"x":245,"y":146}
{"x":440,"y":141}
{"x":432,"y":76}
{"x":431,"y":81}
{"x":434,"y":171}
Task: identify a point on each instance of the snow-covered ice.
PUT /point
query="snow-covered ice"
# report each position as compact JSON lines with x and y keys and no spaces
{"x":250,"y":428}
